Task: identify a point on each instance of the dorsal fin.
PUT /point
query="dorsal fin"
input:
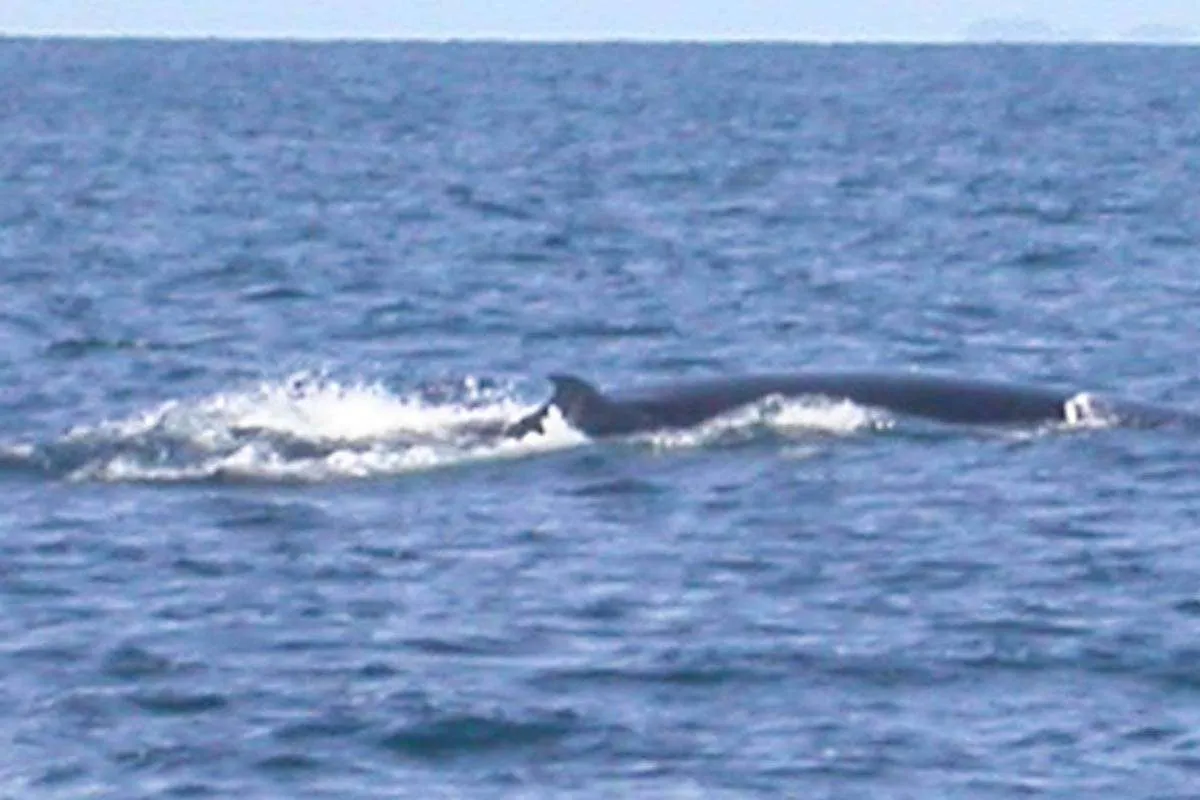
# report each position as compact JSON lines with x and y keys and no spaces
{"x":583,"y":407}
{"x":578,"y":400}
{"x":580,"y":404}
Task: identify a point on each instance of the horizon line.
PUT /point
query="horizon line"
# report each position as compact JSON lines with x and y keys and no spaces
{"x":251,"y":37}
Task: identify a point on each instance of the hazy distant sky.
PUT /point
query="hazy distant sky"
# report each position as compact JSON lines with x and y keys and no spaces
{"x":821,"y":20}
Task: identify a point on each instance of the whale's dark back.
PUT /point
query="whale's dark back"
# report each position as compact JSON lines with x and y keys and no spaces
{"x":945,"y":399}
{"x":953,"y":400}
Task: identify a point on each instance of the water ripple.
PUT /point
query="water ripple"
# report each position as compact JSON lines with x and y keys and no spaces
{"x":267,"y":308}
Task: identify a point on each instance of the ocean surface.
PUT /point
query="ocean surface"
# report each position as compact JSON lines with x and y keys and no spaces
{"x":264,"y":305}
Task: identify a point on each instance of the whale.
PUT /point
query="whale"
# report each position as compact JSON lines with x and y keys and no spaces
{"x":943,"y":398}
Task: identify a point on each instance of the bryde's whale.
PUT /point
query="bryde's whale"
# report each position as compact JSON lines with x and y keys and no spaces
{"x":936,"y":397}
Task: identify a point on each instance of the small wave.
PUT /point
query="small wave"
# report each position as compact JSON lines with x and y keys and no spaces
{"x":446,"y":734}
{"x":305,"y":428}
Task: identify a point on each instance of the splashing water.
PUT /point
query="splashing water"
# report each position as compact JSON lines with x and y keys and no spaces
{"x":304,"y":428}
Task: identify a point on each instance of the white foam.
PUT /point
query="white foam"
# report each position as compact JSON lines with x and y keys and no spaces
{"x":1086,"y":410}
{"x":823,"y":415}
{"x":309,"y":429}
{"x":788,"y":417}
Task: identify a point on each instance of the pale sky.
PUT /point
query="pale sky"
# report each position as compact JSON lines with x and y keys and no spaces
{"x":808,"y":20}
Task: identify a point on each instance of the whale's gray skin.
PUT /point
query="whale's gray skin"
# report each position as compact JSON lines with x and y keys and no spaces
{"x":942,"y":398}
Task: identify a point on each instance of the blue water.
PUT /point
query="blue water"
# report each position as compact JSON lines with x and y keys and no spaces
{"x":260,"y":305}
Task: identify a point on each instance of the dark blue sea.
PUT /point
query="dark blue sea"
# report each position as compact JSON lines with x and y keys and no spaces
{"x":263,"y":307}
